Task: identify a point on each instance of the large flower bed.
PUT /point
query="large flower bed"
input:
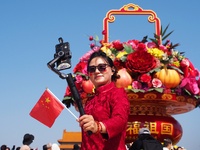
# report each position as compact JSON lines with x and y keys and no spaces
{"x":144,"y":65}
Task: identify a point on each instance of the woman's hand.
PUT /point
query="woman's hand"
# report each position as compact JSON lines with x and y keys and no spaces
{"x":88,"y":123}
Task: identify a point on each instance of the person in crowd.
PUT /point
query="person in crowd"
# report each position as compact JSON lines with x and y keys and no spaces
{"x":55,"y":146}
{"x":180,"y":148}
{"x":47,"y":146}
{"x":27,"y":140}
{"x":106,"y":113}
{"x":128,"y":145}
{"x":76,"y":147}
{"x":3,"y":147}
{"x":146,"y":141}
{"x":167,"y":144}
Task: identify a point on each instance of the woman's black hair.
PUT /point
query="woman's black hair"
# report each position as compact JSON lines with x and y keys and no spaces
{"x":108,"y":60}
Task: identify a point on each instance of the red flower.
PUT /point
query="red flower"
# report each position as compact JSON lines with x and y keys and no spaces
{"x":118,"y":64}
{"x":80,"y":67}
{"x":145,"y":78}
{"x":140,"y":62}
{"x":141,"y":46}
{"x":118,"y":45}
{"x":67,"y":92}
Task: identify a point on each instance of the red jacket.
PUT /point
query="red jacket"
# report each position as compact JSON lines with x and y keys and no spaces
{"x":110,"y":105}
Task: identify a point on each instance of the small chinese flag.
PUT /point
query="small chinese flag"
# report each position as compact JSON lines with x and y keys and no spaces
{"x":47,"y":109}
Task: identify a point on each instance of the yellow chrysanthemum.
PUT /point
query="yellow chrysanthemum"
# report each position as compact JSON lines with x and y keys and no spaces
{"x":106,"y":50}
{"x":176,"y":63}
{"x":120,"y":54}
{"x":155,"y":52}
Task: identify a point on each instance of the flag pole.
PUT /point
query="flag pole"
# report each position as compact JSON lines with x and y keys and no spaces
{"x":63,"y":105}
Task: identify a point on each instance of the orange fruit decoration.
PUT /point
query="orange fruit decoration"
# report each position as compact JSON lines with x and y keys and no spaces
{"x":88,"y":86}
{"x":125,"y":79}
{"x":170,"y":78}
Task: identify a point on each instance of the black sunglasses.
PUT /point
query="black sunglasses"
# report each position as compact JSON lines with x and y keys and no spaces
{"x":100,"y":67}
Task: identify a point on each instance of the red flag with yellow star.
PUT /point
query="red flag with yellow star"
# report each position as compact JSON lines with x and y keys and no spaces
{"x":47,"y":109}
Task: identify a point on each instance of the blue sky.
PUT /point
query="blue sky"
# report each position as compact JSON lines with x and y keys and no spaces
{"x":29,"y":31}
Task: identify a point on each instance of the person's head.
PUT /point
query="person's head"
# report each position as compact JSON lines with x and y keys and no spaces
{"x":167,"y":143}
{"x":76,"y":147}
{"x":18,"y":148}
{"x":179,"y":148}
{"x":101,"y":69}
{"x":47,"y":146}
{"x":3,"y":147}
{"x":144,"y":133}
{"x":28,"y":139}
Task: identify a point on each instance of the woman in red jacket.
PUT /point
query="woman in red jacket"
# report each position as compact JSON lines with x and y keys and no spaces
{"x":106,"y":114}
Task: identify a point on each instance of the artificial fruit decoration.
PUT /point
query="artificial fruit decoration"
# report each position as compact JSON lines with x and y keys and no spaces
{"x":125,"y":79}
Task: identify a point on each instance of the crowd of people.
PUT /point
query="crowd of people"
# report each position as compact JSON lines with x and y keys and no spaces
{"x":143,"y":135}
{"x":26,"y":145}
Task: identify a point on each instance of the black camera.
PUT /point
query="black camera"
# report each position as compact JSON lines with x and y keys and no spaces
{"x":63,"y":51}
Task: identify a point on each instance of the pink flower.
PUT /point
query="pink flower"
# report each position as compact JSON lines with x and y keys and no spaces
{"x":79,"y":79}
{"x":151,"y":45}
{"x":136,"y":85}
{"x":190,"y":84}
{"x":133,"y":43}
{"x":87,"y":55}
{"x":156,"y":83}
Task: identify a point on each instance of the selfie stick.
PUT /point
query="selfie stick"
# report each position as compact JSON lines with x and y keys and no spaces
{"x":70,"y":81}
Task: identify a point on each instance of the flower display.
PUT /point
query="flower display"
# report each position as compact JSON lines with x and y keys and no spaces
{"x":153,"y":64}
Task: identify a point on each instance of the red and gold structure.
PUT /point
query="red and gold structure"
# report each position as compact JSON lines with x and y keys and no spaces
{"x":153,"y":110}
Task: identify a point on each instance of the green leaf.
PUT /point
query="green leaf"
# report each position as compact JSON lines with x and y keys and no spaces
{"x":163,"y":38}
{"x":187,"y":92}
{"x":175,"y":68}
{"x":151,"y":89}
{"x":123,"y":58}
{"x":137,"y":90}
{"x":197,"y":97}
{"x":173,"y":46}
{"x":156,"y":36}
{"x":114,"y":51}
{"x":128,"y":48}
{"x":96,"y":38}
{"x":160,"y":90}
{"x":68,"y":98}
{"x":163,"y":32}
{"x":154,"y":70}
